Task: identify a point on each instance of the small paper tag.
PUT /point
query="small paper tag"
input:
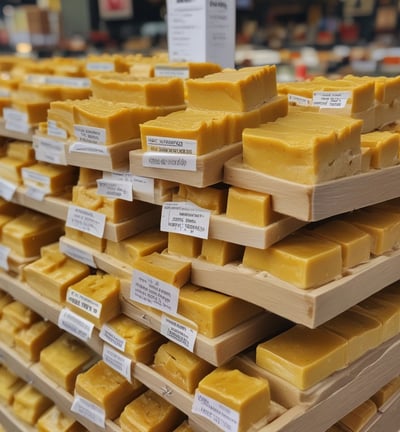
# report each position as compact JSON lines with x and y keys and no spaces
{"x":115,"y":189}
{"x":185,"y":218}
{"x":165,"y":71}
{"x":55,"y":131}
{"x":89,"y":411}
{"x":222,"y":416}
{"x":117,"y":361}
{"x":15,"y":120}
{"x":143,"y":185}
{"x":67,"y":81}
{"x":4,"y":254}
{"x":75,"y":324}
{"x":330,"y":99}
{"x":49,"y":150}
{"x":85,"y":220}
{"x":5,"y":92}
{"x":114,"y":339}
{"x":83,"y":302}
{"x":36,"y":193}
{"x":29,"y":175}
{"x":151,"y":291}
{"x":90,"y":135}
{"x":100,"y":66}
{"x":169,"y":161}
{"x":299,"y":100}
{"x":178,"y":332}
{"x":179,"y":146}
{"x":93,"y":149}
{"x":78,"y":254}
{"x":7,"y":189}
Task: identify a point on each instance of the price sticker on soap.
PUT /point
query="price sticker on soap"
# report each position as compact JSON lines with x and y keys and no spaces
{"x":77,"y":253}
{"x":117,"y":361}
{"x":16,"y":121}
{"x":36,"y":193}
{"x":177,"y":332}
{"x":83,"y":302}
{"x":7,"y":189}
{"x":185,"y":218}
{"x":55,"y":131}
{"x":330,"y":99}
{"x":90,"y":134}
{"x":89,"y":411}
{"x":4,"y":254}
{"x":85,"y":220}
{"x":110,"y":336}
{"x":75,"y":324}
{"x":180,"y":162}
{"x":154,"y":292}
{"x":49,"y":150}
{"x":299,"y":100}
{"x":115,"y":189}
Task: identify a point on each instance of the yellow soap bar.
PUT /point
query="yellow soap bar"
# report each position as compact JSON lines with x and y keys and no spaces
{"x":55,"y":420}
{"x":20,"y":314}
{"x":299,"y":259}
{"x":141,"y":244}
{"x":221,"y":252}
{"x":8,"y":331}
{"x":362,"y":332}
{"x":360,"y":416}
{"x":149,"y":413}
{"x":303,"y":356}
{"x":185,"y":245}
{"x":11,"y":168}
{"x":210,"y":198}
{"x":34,"y":107}
{"x":90,"y":240}
{"x":385,"y":148}
{"x":386,"y":392}
{"x":10,"y":383}
{"x":214,"y":313}
{"x":274,"y":108}
{"x":62,"y":113}
{"x":27,"y":233}
{"x":95,"y":297}
{"x":233,"y":90}
{"x":155,"y":91}
{"x":106,"y":388}
{"x":254,"y":208}
{"x":355,"y":243}
{"x":180,"y":366}
{"x":64,"y":359}
{"x":165,"y":267}
{"x":44,"y":92}
{"x":29,"y":404}
{"x":249,"y":396}
{"x":21,"y":150}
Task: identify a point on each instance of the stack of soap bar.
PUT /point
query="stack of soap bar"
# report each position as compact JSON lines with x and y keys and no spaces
{"x":10,"y":383}
{"x":300,"y":259}
{"x":64,"y":359}
{"x":180,"y":366}
{"x":83,"y":238}
{"x":213,"y":312}
{"x":5,"y":299}
{"x":53,"y":273}
{"x":95,"y":297}
{"x":359,"y":417}
{"x":141,"y":244}
{"x":185,"y":245}
{"x":211,"y":198}
{"x":247,"y":395}
{"x":106,"y":388}
{"x":221,"y":252}
{"x":303,"y":356}
{"x":19,"y":154}
{"x":61,"y":113}
{"x":386,"y":392}
{"x":29,"y":404}
{"x":150,"y":412}
{"x":27,"y":233}
{"x":385,"y":148}
{"x":55,"y":420}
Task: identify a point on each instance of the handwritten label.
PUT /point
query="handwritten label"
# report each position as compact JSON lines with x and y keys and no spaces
{"x":171,"y":145}
{"x":139,"y":184}
{"x":83,"y":302}
{"x":299,"y":100}
{"x":49,"y":150}
{"x":77,"y":254}
{"x":15,"y":120}
{"x":85,"y":220}
{"x":117,"y":361}
{"x":90,"y":135}
{"x":4,"y":254}
{"x":169,"y":161}
{"x":7,"y":189}
{"x":178,"y":332}
{"x":331,"y":99}
{"x":75,"y":324}
{"x":115,"y":189}
{"x":93,"y":149}
{"x":113,"y":338}
{"x":89,"y":410}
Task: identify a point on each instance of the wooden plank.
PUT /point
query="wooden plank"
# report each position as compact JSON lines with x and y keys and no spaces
{"x":317,"y":202}
{"x":388,"y":419}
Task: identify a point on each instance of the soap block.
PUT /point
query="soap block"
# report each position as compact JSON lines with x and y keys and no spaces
{"x":5,"y":299}
{"x":385,"y":147}
{"x":141,"y":244}
{"x":164,"y":267}
{"x":34,"y":108}
{"x":251,"y":207}
{"x":55,"y":420}
{"x":233,"y":90}
{"x":386,"y":392}
{"x":303,"y":356}
{"x":95,"y":298}
{"x":185,"y":245}
{"x":53,"y":273}
{"x":245,"y":394}
{"x":93,"y":242}
{"x":316,"y":261}
{"x":355,"y":243}
{"x":150,"y":412}
{"x":11,"y":169}
{"x":210,"y":198}
{"x":29,"y":404}
{"x":19,"y":314}
{"x":29,"y":342}
{"x":106,"y":388}
{"x":64,"y":359}
{"x":10,"y":383}
{"x":274,"y":108}
{"x":214,"y":313}
{"x":180,"y":366}
{"x":221,"y":252}
{"x":42,"y":91}
{"x":27,"y":233}
{"x":8,"y":331}
{"x":21,"y":150}
{"x":360,"y":416}
{"x":61,"y":112}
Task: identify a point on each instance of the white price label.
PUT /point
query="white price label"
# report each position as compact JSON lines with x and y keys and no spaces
{"x":299,"y":100}
{"x":49,"y":150}
{"x":222,"y":416}
{"x":100,"y":66}
{"x":77,"y":254}
{"x":5,"y":92}
{"x":75,"y":324}
{"x":165,"y":71}
{"x":90,"y":135}
{"x":170,"y":161}
{"x":83,"y":302}
{"x":114,"y":339}
{"x":331,"y":99}
{"x":93,"y":149}
{"x":29,"y":175}
{"x":15,"y":120}
{"x":117,"y":361}
{"x":115,"y":189}
{"x":36,"y":193}
{"x":89,"y":411}
{"x":85,"y":220}
{"x":185,"y":218}
{"x":55,"y":131}
{"x":143,"y":185}
{"x":4,"y":254}
{"x":178,"y":332}
{"x":67,"y":81}
{"x":151,"y":291}
{"x":179,"y":146}
{"x":7,"y":189}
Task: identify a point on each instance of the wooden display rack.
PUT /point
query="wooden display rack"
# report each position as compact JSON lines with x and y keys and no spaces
{"x":316,"y":202}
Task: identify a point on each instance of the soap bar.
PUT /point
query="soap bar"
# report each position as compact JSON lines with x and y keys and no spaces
{"x":385,"y":148}
{"x":150,"y":412}
{"x":303,"y":356}
{"x":254,"y":208}
{"x":233,"y":90}
{"x":184,"y":245}
{"x":10,"y":383}
{"x":95,"y":298}
{"x":8,"y":331}
{"x":316,"y":261}
{"x":55,"y":420}
{"x":360,"y":416}
{"x":62,"y":113}
{"x":11,"y":168}
{"x":355,"y":243}
{"x":221,"y":252}
{"x":180,"y":366}
{"x":29,"y":404}
{"x":34,"y":107}
{"x":106,"y":388}
{"x":20,"y":314}
{"x":21,"y":150}
{"x":89,"y":240}
{"x":165,"y":267}
{"x":210,"y":198}
{"x":214,"y":313}
{"x":386,"y":392}
{"x":245,"y":394}
{"x":64,"y":359}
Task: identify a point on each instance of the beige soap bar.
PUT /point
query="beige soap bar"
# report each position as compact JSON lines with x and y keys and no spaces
{"x":95,"y":298}
{"x":62,"y":114}
{"x":233,"y":90}
{"x":385,"y":148}
{"x":316,"y":260}
{"x":249,"y":396}
{"x":20,"y":314}
{"x":221,"y":252}
{"x":386,"y":392}
{"x":303,"y":356}
{"x":184,"y":245}
{"x":180,"y":366}
{"x":150,"y":412}
{"x":10,"y":383}
{"x":211,"y":198}
{"x":21,"y":150}
{"x":106,"y":388}
{"x":214,"y":313}
{"x":89,"y":240}
{"x":64,"y":359}
{"x":360,"y":416}
{"x":54,"y":420}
